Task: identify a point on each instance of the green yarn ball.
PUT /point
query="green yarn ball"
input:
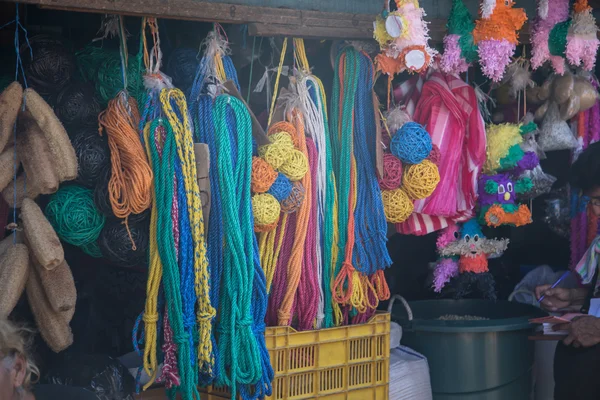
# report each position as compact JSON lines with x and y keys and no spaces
{"x":109,"y":80}
{"x":74,"y":216}
{"x":92,"y":249}
{"x":557,"y":41}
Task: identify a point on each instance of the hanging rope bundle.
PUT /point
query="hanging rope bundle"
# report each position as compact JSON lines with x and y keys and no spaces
{"x":76,"y":105}
{"x":346,"y":285}
{"x":166,"y":231}
{"x":175,"y":108}
{"x":131,"y":178}
{"x":370,"y":251}
{"x":238,"y":348}
{"x":93,"y":157}
{"x":50,"y":67}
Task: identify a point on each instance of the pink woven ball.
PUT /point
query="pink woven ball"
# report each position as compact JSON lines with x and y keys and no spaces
{"x":392,"y":172}
{"x":435,"y":155}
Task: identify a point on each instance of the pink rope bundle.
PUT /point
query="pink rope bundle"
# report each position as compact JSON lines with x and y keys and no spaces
{"x":307,"y":304}
{"x":280,"y":279}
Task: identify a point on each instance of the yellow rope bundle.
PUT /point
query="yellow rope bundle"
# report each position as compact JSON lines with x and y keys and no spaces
{"x":185,"y":150}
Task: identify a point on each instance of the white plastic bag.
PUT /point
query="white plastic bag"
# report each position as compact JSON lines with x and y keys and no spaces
{"x":409,"y":375}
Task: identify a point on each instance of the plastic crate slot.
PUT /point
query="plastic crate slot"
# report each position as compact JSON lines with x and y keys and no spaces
{"x":301,"y":385}
{"x":279,"y":389}
{"x":380,"y":372}
{"x":331,"y":379}
{"x":359,"y":375}
{"x":280,"y":363}
{"x":381,"y":343}
{"x":302,"y":358}
{"x":360,"y":349}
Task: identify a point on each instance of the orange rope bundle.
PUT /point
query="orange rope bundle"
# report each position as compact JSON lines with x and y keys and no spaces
{"x":294,"y":266}
{"x":131,"y":179}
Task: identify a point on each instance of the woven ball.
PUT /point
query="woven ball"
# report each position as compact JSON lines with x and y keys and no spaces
{"x":265,"y":228}
{"x":181,"y":67}
{"x":74,"y":216}
{"x":115,"y":243}
{"x":276,"y":153}
{"x":420,"y":180}
{"x":284,"y":137}
{"x":93,"y":157}
{"x":292,"y":203}
{"x":266,"y":209}
{"x":435,"y":155}
{"x":281,"y":188}
{"x":411,"y":144}
{"x":392,"y":172}
{"x":296,"y":166}
{"x":263,"y":175}
{"x":51,"y":67}
{"x":77,"y":105}
{"x":396,"y":205}
{"x":283,"y":126}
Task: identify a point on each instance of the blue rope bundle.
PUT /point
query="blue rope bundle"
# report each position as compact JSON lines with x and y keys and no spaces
{"x":370,"y":251}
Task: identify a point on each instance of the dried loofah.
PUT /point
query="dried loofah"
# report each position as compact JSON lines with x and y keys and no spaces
{"x":24,"y":189}
{"x":397,"y":206}
{"x":14,"y":270}
{"x":420,"y":180}
{"x":58,"y":141}
{"x":38,"y":162}
{"x":10,"y":241}
{"x":59,"y":286}
{"x":7,"y":166}
{"x":41,"y":237}
{"x":10,"y":103}
{"x":555,"y":133}
{"x":52,"y":325}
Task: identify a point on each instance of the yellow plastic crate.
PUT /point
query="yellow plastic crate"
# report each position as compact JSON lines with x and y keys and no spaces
{"x":345,"y":363}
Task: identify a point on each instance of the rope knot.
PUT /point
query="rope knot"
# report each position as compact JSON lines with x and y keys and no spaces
{"x":284,"y":317}
{"x":150,"y":318}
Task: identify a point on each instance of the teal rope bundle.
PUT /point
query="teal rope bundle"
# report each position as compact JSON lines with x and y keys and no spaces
{"x":239,"y":362}
{"x":164,"y":173}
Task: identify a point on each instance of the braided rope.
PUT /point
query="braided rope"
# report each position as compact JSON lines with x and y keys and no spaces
{"x":171,"y":98}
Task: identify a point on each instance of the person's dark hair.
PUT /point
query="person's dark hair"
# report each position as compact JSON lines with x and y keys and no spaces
{"x":585,"y":172}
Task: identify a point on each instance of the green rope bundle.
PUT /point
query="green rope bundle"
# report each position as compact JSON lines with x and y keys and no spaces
{"x":557,"y":41}
{"x":75,"y":218}
{"x":89,"y":59}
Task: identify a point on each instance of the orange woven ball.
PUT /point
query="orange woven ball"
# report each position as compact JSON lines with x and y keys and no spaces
{"x":263,"y":175}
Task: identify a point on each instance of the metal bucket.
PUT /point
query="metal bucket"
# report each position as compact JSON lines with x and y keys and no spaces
{"x":472,"y":359}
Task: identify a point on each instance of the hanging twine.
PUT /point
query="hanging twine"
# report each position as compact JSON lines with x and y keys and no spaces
{"x":263,"y":175}
{"x":281,"y":187}
{"x":239,"y":352}
{"x":392,"y":172}
{"x":265,"y":209}
{"x":396,"y":205}
{"x":73,"y":215}
{"x":411,"y":144}
{"x":175,"y":108}
{"x":131,"y":179}
{"x":420,"y":180}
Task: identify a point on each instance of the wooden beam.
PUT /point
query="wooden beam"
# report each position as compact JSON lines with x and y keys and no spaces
{"x":301,"y":22}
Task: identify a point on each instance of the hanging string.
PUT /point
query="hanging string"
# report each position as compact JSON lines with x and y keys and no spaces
{"x":276,"y":88}
{"x":239,"y":353}
{"x":175,"y":108}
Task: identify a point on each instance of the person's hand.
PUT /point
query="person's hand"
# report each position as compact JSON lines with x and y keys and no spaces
{"x":583,"y":331}
{"x":554,"y":299}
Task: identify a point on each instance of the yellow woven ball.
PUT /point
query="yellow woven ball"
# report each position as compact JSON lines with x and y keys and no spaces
{"x":396,"y":205}
{"x":266,"y":209}
{"x":276,"y":153}
{"x":420,"y":180}
{"x":296,"y":166}
{"x":284,"y":137}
